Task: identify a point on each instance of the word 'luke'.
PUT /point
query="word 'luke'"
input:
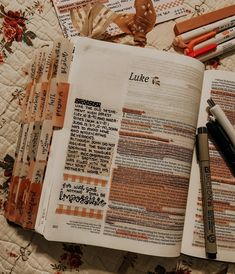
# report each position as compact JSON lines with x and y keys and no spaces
{"x":139,"y":77}
{"x":145,"y":79}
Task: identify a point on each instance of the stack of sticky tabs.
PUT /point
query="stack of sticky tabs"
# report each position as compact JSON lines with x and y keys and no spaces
{"x":208,"y":35}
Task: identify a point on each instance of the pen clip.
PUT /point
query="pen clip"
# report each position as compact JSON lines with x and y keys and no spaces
{"x":198,"y":40}
{"x":197,"y":148}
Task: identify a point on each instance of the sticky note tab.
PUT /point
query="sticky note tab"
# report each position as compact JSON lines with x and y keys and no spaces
{"x":61,"y":103}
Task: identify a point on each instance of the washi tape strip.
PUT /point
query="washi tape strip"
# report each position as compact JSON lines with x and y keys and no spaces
{"x":84,"y":180}
{"x":80,"y":211}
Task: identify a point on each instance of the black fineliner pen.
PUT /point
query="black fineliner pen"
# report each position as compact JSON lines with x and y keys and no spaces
{"x":223,"y":142}
{"x":223,"y":120}
{"x":207,"y":196}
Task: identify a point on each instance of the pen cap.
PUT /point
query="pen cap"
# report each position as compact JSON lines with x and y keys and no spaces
{"x":202,"y":144}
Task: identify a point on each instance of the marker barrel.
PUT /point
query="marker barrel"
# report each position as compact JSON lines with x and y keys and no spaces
{"x":218,"y":39}
{"x":207,"y":195}
{"x":220,"y":116}
{"x":221,"y":48}
{"x":218,"y":26}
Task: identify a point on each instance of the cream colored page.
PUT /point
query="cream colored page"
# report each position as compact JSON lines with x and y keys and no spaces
{"x":138,"y":121}
{"x":60,"y":138}
{"x":154,"y":154}
{"x":94,"y":79}
{"x":220,"y":86}
{"x":52,"y":164}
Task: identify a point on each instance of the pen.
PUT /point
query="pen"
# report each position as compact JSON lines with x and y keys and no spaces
{"x":201,"y":51}
{"x":220,"y":49}
{"x":222,"y":119}
{"x":216,"y":26}
{"x":222,"y":141}
{"x":192,"y":44}
{"x":218,"y":38}
{"x":207,"y":196}
{"x":204,"y":19}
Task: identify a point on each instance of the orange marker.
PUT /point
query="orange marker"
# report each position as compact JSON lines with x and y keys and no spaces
{"x":198,"y":40}
{"x":202,"y":50}
{"x":219,"y":38}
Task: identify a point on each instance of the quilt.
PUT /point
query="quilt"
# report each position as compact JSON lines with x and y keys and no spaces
{"x":24,"y":251}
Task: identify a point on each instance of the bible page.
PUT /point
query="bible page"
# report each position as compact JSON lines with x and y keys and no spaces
{"x":220,"y":86}
{"x":124,"y":157}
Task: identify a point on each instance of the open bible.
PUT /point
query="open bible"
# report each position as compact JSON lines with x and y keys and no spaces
{"x":107,"y":156}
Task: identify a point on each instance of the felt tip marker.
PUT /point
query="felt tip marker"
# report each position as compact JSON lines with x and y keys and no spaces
{"x":218,"y":38}
{"x":191,"y":46}
{"x":222,"y":119}
{"x":218,"y":26}
{"x":201,"y":51}
{"x":223,"y":143}
{"x":202,"y":147}
{"x":220,"y":49}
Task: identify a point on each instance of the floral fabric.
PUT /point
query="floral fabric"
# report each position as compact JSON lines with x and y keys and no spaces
{"x":15,"y":27}
{"x":24,"y":26}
